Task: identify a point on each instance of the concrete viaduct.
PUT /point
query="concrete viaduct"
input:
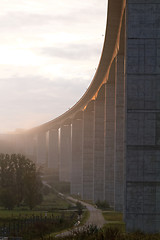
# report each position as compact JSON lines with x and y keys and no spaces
{"x":108,"y":144}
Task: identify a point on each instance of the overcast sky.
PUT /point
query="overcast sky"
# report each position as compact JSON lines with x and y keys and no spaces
{"x":49,"y":50}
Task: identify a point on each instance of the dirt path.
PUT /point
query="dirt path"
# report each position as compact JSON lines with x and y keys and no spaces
{"x":95,"y":218}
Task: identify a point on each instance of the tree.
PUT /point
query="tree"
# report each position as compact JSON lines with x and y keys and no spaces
{"x":7,"y":182}
{"x":20,"y":181}
{"x":33,"y":192}
{"x":79,"y":208}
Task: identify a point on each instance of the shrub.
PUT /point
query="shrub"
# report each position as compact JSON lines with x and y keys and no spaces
{"x":102,"y":204}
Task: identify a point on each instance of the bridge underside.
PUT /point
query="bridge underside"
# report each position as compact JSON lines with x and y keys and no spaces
{"x":108,"y":145}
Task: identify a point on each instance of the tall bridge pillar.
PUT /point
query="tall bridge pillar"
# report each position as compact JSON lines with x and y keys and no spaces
{"x":142,"y":209}
{"x":99,"y":171}
{"x":109,"y":131}
{"x":88,"y":124}
{"x":65,"y":153}
{"x":76,"y":166}
{"x":119,"y":133}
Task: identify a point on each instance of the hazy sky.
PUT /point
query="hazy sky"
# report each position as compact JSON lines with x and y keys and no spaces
{"x":49,"y":50}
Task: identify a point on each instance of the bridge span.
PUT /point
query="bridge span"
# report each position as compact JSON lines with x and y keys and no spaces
{"x":108,"y":144}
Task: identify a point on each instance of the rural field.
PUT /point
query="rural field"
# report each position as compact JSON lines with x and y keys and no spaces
{"x":53,"y":215}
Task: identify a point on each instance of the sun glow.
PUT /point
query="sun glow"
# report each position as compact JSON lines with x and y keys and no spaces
{"x":47,"y":45}
{"x":18,"y":56}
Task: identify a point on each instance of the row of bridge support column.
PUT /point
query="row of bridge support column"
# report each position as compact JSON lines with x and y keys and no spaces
{"x":88,"y":150}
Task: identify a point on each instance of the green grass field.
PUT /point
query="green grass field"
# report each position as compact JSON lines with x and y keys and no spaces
{"x":53,"y":207}
{"x":113,"y":216}
{"x":114,"y":220}
{"x":52,"y":203}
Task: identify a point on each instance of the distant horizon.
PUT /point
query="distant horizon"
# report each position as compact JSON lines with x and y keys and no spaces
{"x":49,"y":54}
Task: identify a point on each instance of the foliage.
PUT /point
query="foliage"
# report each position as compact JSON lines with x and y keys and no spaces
{"x":92,"y":233}
{"x":85,"y":217}
{"x":102,"y":205}
{"x":79,"y":208}
{"x":20,"y":181}
{"x":46,"y":190}
{"x":36,"y":226}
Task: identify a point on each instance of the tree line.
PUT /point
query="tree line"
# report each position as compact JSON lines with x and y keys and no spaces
{"x":20,"y":182}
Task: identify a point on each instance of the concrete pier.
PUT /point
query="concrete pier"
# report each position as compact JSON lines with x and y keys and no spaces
{"x":65,"y":154}
{"x":119,"y":134}
{"x":99,"y":171}
{"x":109,"y":136}
{"x":142,"y":208}
{"x":76,"y":172}
{"x":53,"y":150}
{"x":88,"y":124}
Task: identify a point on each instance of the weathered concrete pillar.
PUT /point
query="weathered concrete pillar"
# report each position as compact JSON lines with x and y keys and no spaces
{"x":88,"y":127}
{"x":99,"y":146}
{"x":119,"y":134}
{"x":142,"y":210}
{"x":76,"y":172}
{"x":41,"y":149}
{"x":109,"y":149}
{"x":53,"y":150}
{"x":65,"y":153}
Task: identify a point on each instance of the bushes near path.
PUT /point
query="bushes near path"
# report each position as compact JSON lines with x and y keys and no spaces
{"x":36,"y":227}
{"x":92,"y":233}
